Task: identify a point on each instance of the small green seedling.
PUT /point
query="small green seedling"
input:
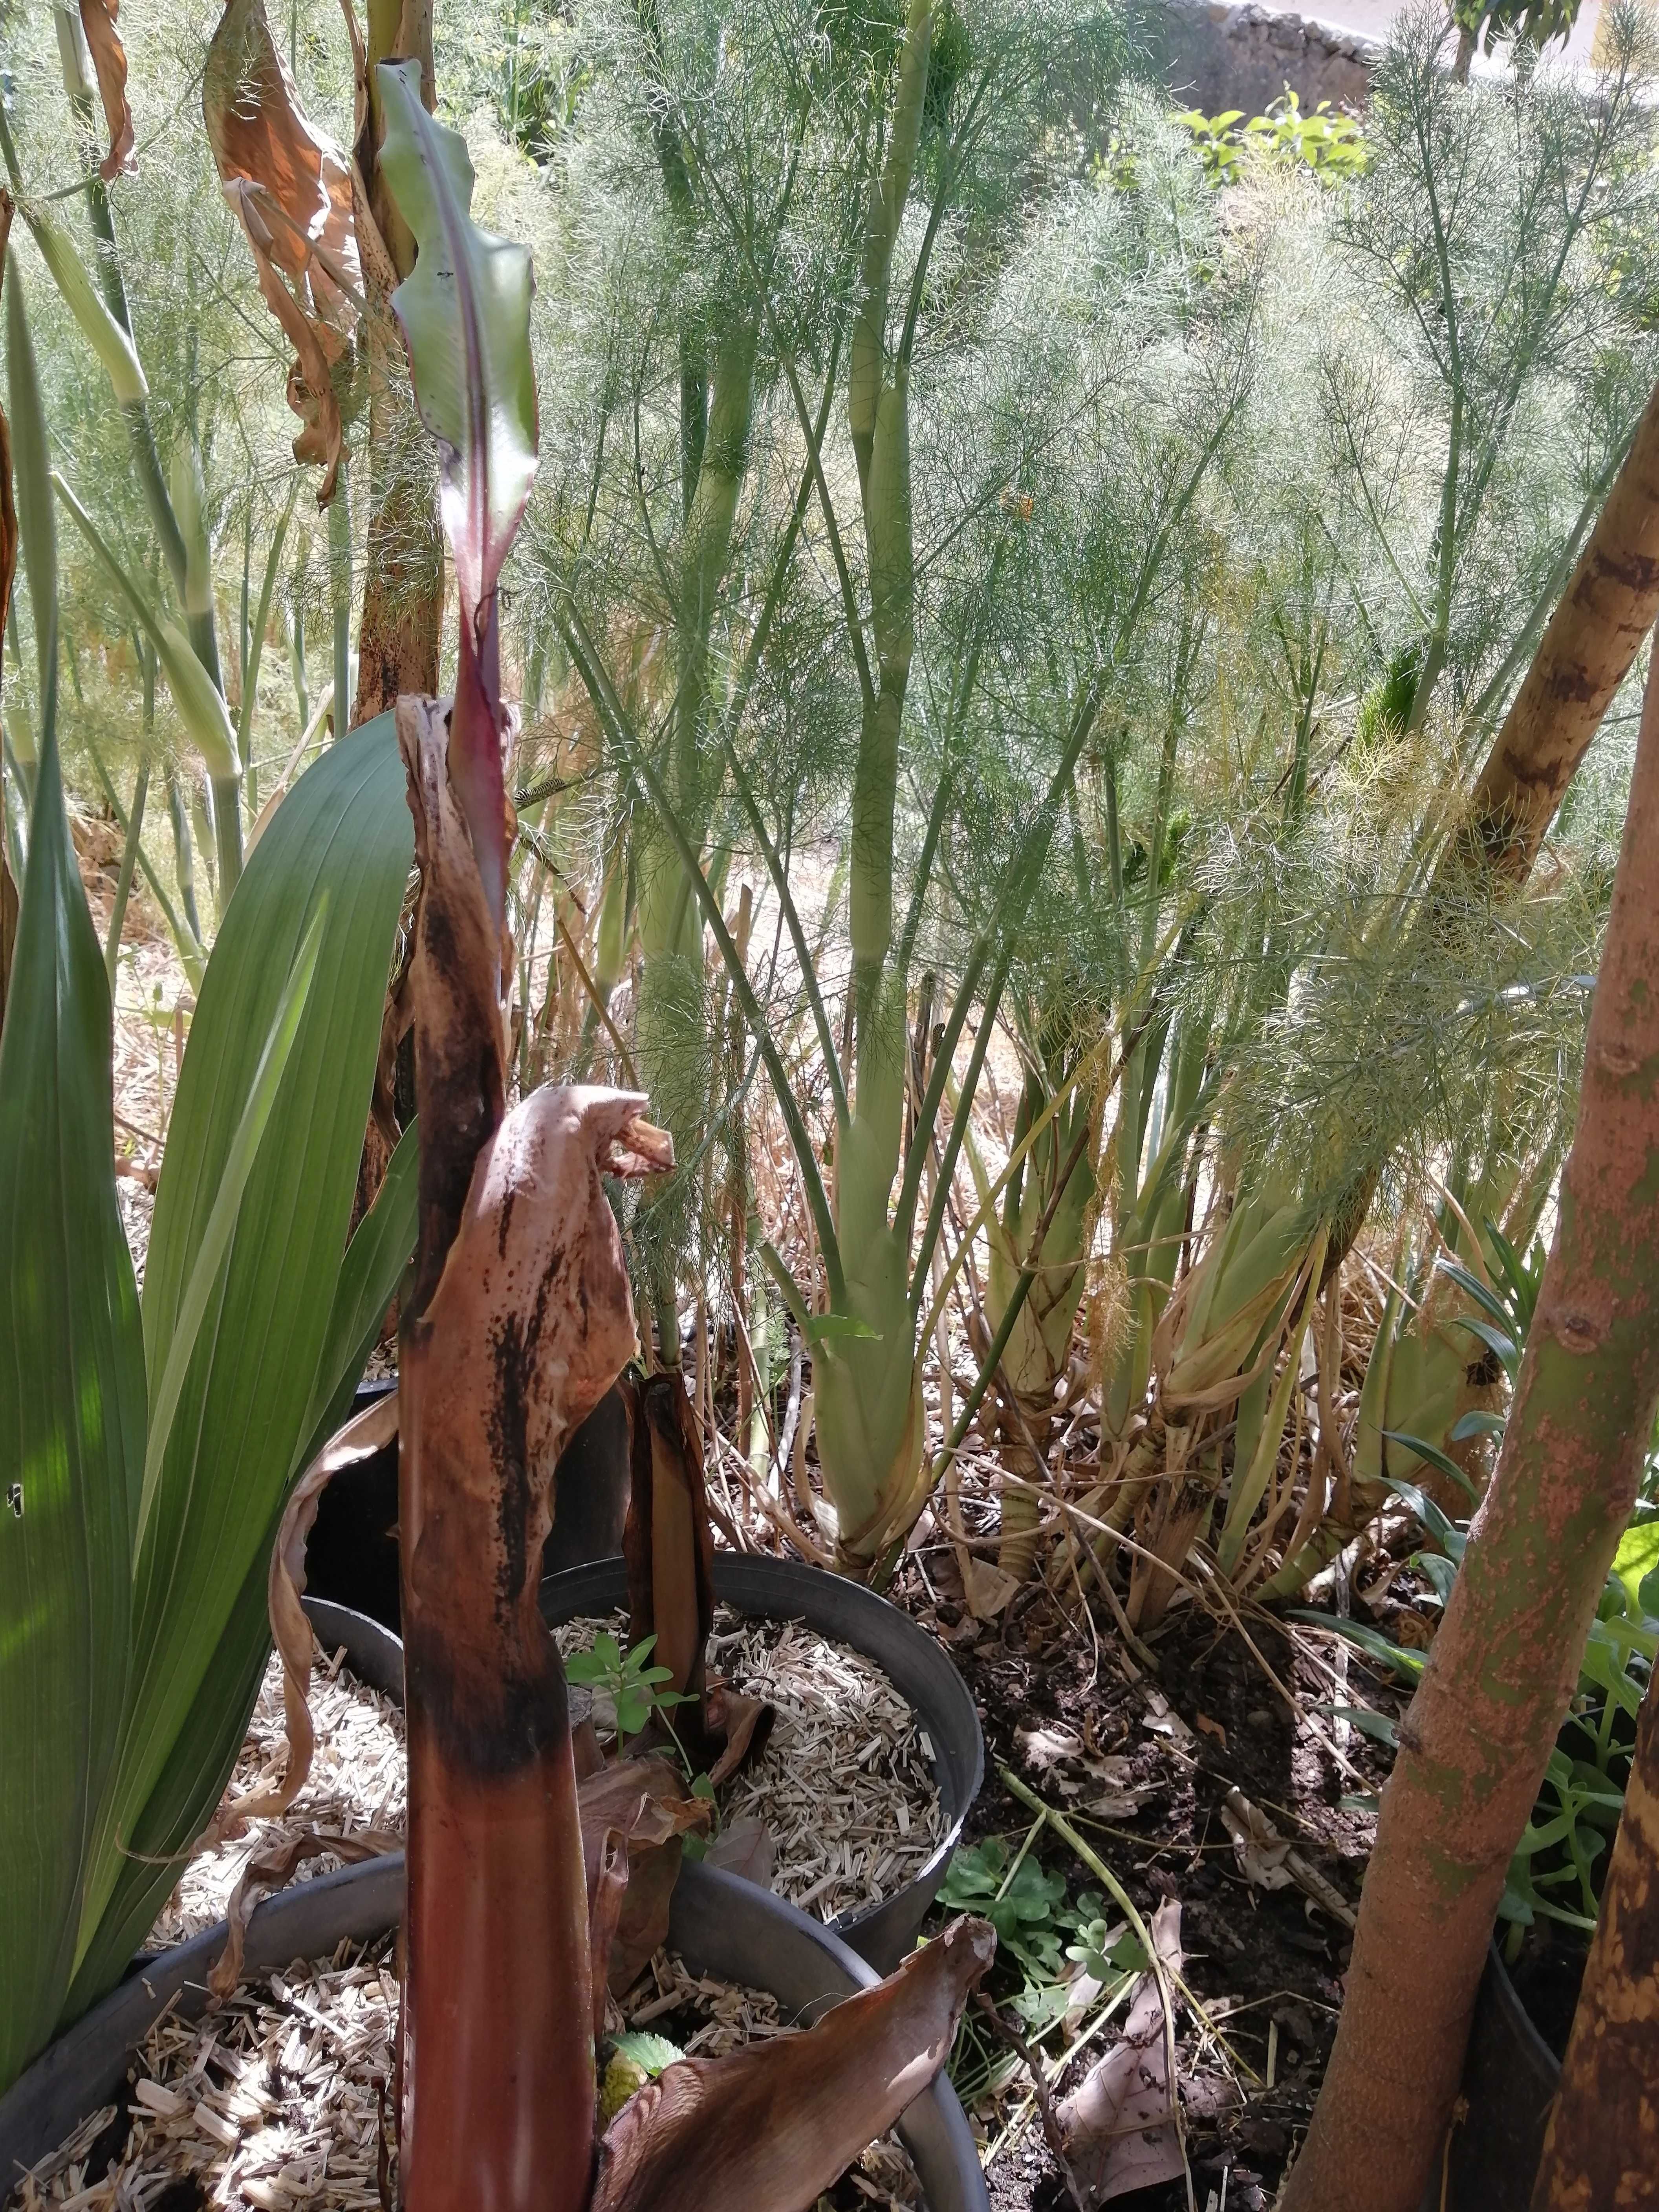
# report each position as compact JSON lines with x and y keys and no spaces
{"x":626,"y":1678}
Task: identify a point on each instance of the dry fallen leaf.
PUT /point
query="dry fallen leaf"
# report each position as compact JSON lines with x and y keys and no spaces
{"x":1120,"y":2123}
{"x":1207,"y":1727}
{"x":1049,"y":1746}
{"x":987,"y":1588}
{"x":1270,"y":1861}
{"x":747,"y":1847}
{"x":1161,"y":1719}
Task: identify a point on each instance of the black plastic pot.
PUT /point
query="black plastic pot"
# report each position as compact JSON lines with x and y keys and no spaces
{"x":1510,"y":2077}
{"x":351,"y":1557}
{"x":916,"y":1665}
{"x":719,"y":1925}
{"x":373,"y":1652}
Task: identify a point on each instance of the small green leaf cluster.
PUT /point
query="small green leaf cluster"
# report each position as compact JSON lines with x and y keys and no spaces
{"x":1328,"y":142}
{"x":1051,"y":1939}
{"x":628,"y":1680}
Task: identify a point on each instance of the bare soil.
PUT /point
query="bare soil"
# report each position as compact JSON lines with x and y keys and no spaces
{"x":1266,"y":1965}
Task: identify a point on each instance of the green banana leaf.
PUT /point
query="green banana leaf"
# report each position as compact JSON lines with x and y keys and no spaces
{"x":71,"y":1427}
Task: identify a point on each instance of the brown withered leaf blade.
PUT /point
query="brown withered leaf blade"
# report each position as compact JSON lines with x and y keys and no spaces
{"x":362,"y":1436}
{"x":746,"y":1847}
{"x":666,"y":1543}
{"x":455,"y":971}
{"x":109,"y":59}
{"x":273,"y":1870}
{"x":770,"y":2128}
{"x":291,"y":188}
{"x":607,"y":1889}
{"x":642,"y":1805}
{"x":1119,"y":2126}
{"x":739,"y":1726}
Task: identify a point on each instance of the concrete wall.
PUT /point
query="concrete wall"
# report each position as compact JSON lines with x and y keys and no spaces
{"x":1213,"y":57}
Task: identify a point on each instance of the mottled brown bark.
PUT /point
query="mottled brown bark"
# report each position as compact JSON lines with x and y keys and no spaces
{"x":1473,"y":1745}
{"x":1585,"y":654}
{"x":401,"y":628}
{"x":666,"y":1543}
{"x":519,"y":1322}
{"x":1602,"y":2153}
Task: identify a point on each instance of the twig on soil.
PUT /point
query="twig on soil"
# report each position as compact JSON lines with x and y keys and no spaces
{"x":1033,"y":2064}
{"x":1016,"y":2127}
{"x":1160,"y":1972}
{"x":1098,"y":1866}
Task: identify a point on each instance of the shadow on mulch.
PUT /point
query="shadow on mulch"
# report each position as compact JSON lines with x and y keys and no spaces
{"x":1265,"y":1963}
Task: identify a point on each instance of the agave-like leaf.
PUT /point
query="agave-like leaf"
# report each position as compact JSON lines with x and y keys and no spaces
{"x":339,"y":845}
{"x":37,"y":521}
{"x":770,"y":2128}
{"x":8,"y":505}
{"x":465,"y":313}
{"x":109,"y":59}
{"x":72,"y":1428}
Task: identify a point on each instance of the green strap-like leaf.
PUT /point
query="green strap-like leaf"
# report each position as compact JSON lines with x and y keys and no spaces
{"x":374,"y":1265}
{"x":465,"y":313}
{"x":201,"y":705}
{"x":72,"y":1428}
{"x":37,"y":523}
{"x":341,"y":847}
{"x":205,"y":1274}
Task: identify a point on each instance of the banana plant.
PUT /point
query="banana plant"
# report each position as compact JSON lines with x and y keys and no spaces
{"x":518,"y":1320}
{"x":149,"y":1443}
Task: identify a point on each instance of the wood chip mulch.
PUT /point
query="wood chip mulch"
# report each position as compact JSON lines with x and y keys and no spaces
{"x":357,"y":1782}
{"x":275,"y":2099}
{"x":845,"y":1785}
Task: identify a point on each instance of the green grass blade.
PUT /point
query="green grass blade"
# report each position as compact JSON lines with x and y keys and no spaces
{"x":72,"y":1428}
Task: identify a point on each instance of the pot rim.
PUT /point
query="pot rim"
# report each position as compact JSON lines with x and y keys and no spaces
{"x":761,"y":1584}
{"x":85,"y":2068}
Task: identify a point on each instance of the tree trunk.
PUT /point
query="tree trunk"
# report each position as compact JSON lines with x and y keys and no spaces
{"x":1473,"y":1745}
{"x":1602,"y":2148}
{"x":1584,"y":656}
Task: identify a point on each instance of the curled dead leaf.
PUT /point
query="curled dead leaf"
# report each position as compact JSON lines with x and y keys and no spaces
{"x":1120,"y":2124}
{"x":362,"y":1436}
{"x":771,"y":2127}
{"x":640,"y":1806}
{"x":109,"y":59}
{"x":274,"y":1870}
{"x":292,"y":191}
{"x":1270,"y":1861}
